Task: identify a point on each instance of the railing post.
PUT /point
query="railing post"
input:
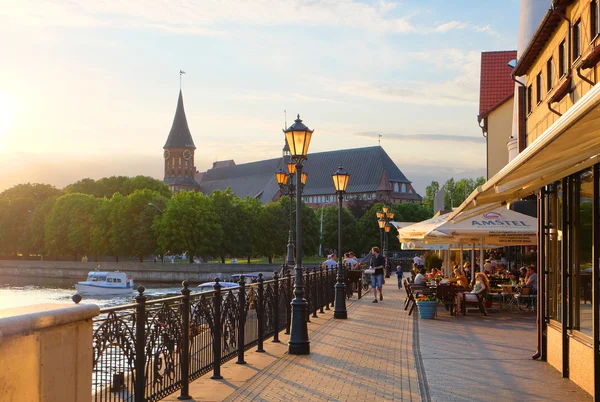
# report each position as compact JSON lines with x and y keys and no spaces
{"x":323,"y":296}
{"x":331,"y":286}
{"x":326,"y":285}
{"x":242,"y":323}
{"x":360,"y":285}
{"x":217,"y":332}
{"x":288,"y":295}
{"x":140,"y":345}
{"x":315,"y":293}
{"x":276,"y":307}
{"x":185,"y":347}
{"x":308,"y":293}
{"x":261,"y":313}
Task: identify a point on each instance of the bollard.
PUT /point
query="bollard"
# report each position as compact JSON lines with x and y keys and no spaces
{"x":307,"y":294}
{"x":260,"y":311}
{"x":217,"y":331}
{"x":242,"y":323}
{"x":276,"y":307}
{"x":288,"y":295}
{"x":185,"y":348}
{"x":321,"y":293}
{"x":140,"y":345}
{"x":314,"y":293}
{"x":326,"y":285}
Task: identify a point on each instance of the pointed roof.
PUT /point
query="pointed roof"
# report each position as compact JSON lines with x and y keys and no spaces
{"x":180,"y":135}
{"x":366,"y":167}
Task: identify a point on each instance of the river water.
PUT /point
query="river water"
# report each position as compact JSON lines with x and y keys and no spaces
{"x":19,"y":291}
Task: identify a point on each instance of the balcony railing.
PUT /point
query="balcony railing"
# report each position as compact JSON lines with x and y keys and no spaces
{"x":147,"y":350}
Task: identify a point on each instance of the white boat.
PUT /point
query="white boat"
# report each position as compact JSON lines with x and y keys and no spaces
{"x":105,"y":283}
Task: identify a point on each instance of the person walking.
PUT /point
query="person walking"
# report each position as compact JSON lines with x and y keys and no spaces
{"x":399,"y":275}
{"x":377,"y":264}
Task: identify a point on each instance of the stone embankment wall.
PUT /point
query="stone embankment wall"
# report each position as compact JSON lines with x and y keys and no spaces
{"x":146,"y":272}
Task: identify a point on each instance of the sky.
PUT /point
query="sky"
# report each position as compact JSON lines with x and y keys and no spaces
{"x":89,"y":88}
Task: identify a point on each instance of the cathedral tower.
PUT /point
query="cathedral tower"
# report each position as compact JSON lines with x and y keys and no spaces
{"x":179,"y":153}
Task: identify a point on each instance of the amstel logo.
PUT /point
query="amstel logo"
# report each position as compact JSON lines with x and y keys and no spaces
{"x":492,"y":215}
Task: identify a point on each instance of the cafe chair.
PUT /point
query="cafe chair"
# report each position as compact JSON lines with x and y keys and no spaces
{"x":479,"y":302}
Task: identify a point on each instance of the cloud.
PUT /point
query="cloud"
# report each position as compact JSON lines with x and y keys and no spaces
{"x":422,"y":175}
{"x":424,"y":137}
{"x":448,"y":26}
{"x":206,"y":17}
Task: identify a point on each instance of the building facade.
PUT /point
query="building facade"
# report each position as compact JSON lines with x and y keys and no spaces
{"x":179,"y":152}
{"x":374,"y":176}
{"x":559,"y":163}
{"x":496,"y":98}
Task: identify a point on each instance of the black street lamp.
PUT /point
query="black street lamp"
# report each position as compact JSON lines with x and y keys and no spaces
{"x":340,"y":181}
{"x":288,"y":187}
{"x":384,"y":217}
{"x":298,"y":138}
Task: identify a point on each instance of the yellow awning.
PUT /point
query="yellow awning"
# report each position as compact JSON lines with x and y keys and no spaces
{"x":569,"y":145}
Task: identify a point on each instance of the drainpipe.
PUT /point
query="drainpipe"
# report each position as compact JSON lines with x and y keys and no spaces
{"x":484,"y":132}
{"x":586,"y":79}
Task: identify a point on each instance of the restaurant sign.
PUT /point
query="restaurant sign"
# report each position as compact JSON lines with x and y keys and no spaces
{"x":496,"y":219}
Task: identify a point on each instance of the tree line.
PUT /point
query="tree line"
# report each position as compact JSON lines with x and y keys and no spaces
{"x":139,"y":217}
{"x":455,"y":192}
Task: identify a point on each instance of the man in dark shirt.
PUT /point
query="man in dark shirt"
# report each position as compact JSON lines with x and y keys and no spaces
{"x":377,"y":263}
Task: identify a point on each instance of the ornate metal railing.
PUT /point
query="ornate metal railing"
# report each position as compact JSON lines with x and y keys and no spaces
{"x":149,"y":349}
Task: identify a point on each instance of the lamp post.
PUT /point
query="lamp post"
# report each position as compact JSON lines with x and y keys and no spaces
{"x":383,"y":220}
{"x":288,"y":187}
{"x":340,"y":182}
{"x":298,"y":138}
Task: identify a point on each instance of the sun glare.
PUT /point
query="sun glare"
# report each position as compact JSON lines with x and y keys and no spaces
{"x":6,"y":113}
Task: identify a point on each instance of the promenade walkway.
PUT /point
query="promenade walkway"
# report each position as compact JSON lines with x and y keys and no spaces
{"x":381,"y":354}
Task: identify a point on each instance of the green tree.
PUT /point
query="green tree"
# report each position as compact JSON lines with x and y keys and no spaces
{"x":108,"y":186}
{"x":368,"y":229}
{"x":330,"y":229}
{"x":253,"y":215}
{"x":35,"y":191}
{"x":234,"y":221}
{"x":430,"y":193}
{"x":131,"y":220}
{"x":189,"y":224}
{"x":18,"y":204}
{"x":69,"y":225}
{"x":274,"y":224}
{"x":310,"y":231}
{"x":37,"y":226}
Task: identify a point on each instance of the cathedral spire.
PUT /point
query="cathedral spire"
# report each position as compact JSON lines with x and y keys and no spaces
{"x":180,"y":135}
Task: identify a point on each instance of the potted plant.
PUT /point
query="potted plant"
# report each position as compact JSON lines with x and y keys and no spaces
{"x":513,"y":279}
{"x":427,"y":306}
{"x":438,"y":278}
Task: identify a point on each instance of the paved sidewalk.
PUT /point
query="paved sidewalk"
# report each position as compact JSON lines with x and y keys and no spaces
{"x":368,"y":357}
{"x":477,"y":358}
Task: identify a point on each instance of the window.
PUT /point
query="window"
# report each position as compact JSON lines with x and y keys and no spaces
{"x":395,"y":187}
{"x":593,"y":19}
{"x":562,"y":69}
{"x":549,"y":74}
{"x":403,"y":188}
{"x":576,"y":38}
{"x":529,"y":100}
{"x":538,"y":87}
{"x":582,"y":251}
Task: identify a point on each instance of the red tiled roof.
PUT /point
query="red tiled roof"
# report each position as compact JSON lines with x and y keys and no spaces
{"x":496,"y":84}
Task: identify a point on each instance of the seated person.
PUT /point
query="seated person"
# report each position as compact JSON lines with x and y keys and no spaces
{"x":531,"y":281}
{"x":482,"y":286}
{"x":420,"y":278}
{"x":330,"y":263}
{"x":352,"y":261}
{"x":460,"y":278}
{"x":434,"y":272}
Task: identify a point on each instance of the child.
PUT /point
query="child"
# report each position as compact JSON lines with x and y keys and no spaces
{"x":400,"y":276}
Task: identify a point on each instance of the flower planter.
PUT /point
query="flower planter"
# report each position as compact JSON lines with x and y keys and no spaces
{"x":427,"y":309}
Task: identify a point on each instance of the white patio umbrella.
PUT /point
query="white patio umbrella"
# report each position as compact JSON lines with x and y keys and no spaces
{"x":500,"y":227}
